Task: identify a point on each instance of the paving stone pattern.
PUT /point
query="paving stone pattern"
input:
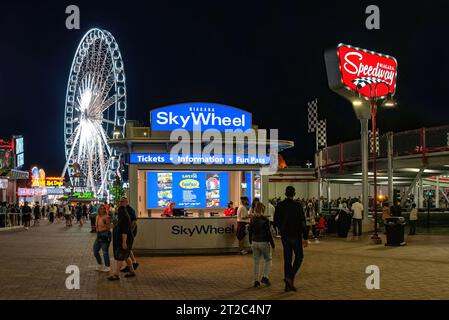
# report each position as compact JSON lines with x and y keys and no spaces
{"x":33,"y":264}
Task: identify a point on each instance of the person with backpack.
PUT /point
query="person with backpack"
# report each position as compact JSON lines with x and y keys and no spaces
{"x":261,"y":240}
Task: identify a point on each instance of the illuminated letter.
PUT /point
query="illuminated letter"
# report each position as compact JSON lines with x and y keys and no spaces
{"x":373,"y":21}
{"x":356,"y":69}
{"x":161,"y":118}
{"x":72,"y":21}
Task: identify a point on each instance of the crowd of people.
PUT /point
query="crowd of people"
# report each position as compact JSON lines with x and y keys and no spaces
{"x":291,"y":219}
{"x":112,"y":225}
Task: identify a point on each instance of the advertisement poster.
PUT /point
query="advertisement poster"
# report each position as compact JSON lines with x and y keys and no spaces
{"x":187,"y":189}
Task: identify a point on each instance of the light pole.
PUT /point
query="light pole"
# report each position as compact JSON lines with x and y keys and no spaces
{"x":374,"y":103}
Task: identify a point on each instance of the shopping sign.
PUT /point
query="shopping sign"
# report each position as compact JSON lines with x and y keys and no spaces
{"x":199,"y":116}
{"x":350,"y":69}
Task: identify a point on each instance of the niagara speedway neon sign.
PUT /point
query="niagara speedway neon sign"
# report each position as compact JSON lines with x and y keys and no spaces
{"x":361,"y":70}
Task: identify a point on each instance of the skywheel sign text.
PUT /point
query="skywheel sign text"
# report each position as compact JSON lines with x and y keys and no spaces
{"x":163,"y":158}
{"x":200,"y":116}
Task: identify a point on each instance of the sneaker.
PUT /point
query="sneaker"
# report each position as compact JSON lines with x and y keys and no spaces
{"x":266,"y":281}
{"x":317,"y":241}
{"x":106,"y":269}
{"x":135,"y":265}
{"x":114,"y":278}
{"x":256,"y":284}
{"x":243,"y":252}
{"x":99,"y":267}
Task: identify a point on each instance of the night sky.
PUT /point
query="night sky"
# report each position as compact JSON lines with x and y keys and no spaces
{"x":265,"y":57}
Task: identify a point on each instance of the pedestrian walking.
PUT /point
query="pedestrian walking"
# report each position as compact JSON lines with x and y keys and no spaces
{"x":67,"y":215}
{"x":26,"y":215}
{"x":289,"y":218}
{"x":37,"y":214}
{"x":310,"y":215}
{"x":413,"y":219}
{"x":242,"y":222}
{"x":343,"y":221}
{"x":261,"y":240}
{"x":133,"y":217}
{"x":79,"y":214}
{"x":51,"y":215}
{"x":122,"y":241}
{"x":385,"y":214}
{"x":357,"y":217}
{"x":103,"y":240}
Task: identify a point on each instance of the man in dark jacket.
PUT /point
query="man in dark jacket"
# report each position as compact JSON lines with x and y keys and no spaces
{"x":289,"y":218}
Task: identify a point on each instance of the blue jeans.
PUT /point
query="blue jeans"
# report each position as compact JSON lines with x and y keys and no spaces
{"x":261,"y":249}
{"x":292,"y":245}
{"x":104,"y":246}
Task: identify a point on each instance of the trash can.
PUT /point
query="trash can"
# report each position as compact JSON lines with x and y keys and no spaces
{"x":395,"y":231}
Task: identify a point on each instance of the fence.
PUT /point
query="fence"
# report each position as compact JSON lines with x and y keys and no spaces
{"x":413,"y":142}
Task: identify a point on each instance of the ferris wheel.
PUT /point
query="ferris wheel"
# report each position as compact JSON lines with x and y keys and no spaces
{"x":95,"y":107}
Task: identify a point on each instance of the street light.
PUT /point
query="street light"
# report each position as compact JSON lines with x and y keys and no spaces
{"x":374,"y":103}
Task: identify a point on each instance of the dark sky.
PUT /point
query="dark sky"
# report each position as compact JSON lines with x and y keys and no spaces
{"x":265,"y":57}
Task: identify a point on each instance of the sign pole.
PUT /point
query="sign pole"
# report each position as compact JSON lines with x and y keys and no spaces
{"x":365,"y":182}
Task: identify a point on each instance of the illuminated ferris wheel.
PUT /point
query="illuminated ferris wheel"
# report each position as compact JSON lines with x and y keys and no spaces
{"x":95,"y":107}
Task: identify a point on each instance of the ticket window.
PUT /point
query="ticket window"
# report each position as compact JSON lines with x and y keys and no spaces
{"x":200,"y":193}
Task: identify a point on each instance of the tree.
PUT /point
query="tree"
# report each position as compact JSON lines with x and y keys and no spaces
{"x":117,"y":191}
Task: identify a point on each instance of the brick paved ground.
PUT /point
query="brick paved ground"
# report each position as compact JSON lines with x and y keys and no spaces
{"x":32,"y":266}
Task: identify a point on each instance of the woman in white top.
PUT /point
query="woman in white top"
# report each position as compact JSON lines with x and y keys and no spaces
{"x":242,"y":221}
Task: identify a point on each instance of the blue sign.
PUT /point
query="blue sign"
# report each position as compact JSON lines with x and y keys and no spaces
{"x":200,"y":116}
{"x":187,"y":189}
{"x":165,"y":158}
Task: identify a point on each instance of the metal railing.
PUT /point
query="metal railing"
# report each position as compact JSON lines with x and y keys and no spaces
{"x":413,"y":142}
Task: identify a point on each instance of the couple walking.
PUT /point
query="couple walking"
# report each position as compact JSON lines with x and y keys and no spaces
{"x":290,"y":220}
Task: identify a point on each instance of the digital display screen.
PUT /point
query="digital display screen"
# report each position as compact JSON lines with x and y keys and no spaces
{"x":187,"y":189}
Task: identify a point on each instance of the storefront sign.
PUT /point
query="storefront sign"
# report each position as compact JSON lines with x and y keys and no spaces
{"x":54,"y":181}
{"x":164,"y":158}
{"x":31,"y":192}
{"x":200,"y":116}
{"x":55,"y":191}
{"x":83,"y":195}
{"x":352,"y":69}
{"x":37,"y":177}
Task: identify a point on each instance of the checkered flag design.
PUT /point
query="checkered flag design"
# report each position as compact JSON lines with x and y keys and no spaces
{"x":321,"y":139}
{"x":312,"y":115}
{"x":361,"y":82}
{"x":371,"y":146}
